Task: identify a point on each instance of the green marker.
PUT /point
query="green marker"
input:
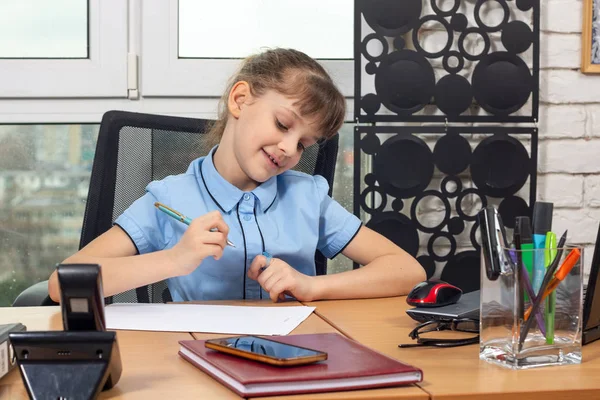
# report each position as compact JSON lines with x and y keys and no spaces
{"x":550,"y":254}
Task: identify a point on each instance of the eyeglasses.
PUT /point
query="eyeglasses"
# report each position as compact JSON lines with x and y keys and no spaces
{"x":460,"y":325}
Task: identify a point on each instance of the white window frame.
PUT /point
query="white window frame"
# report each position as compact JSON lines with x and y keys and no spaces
{"x":103,"y":74}
{"x":165,"y":74}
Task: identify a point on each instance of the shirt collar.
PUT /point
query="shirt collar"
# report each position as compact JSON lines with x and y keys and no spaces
{"x":226,"y":195}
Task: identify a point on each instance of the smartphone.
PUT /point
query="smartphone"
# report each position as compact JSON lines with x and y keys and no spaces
{"x":266,"y":351}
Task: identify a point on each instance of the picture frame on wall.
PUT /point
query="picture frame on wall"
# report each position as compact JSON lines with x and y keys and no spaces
{"x":590,"y":37}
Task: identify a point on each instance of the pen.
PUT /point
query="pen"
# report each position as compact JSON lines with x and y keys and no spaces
{"x":182,"y":218}
{"x":547,"y":277}
{"x":527,"y":248}
{"x":519,"y":274}
{"x":551,"y":302}
{"x":561,"y":274}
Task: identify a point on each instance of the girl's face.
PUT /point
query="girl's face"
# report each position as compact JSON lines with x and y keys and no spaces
{"x":270,"y":135}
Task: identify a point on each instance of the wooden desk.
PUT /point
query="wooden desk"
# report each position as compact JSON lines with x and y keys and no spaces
{"x":457,"y":373}
{"x":153,"y":369}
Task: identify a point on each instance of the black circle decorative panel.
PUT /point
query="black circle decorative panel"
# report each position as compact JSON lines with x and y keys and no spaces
{"x":427,"y":201}
{"x":398,"y":228}
{"x":463,"y":270}
{"x":501,"y":83}
{"x":404,"y":166}
{"x":392,"y":18}
{"x":495,"y":84}
{"x":405,"y":82}
{"x":500,"y":165}
{"x":452,"y":154}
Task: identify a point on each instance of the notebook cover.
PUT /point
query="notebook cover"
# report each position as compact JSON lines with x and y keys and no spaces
{"x":346,"y":359}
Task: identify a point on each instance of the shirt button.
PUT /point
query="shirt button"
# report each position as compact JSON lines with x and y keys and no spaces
{"x":246,"y":197}
{"x":247,"y":217}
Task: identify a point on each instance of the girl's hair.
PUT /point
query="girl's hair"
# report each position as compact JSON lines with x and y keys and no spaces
{"x":291,"y":73}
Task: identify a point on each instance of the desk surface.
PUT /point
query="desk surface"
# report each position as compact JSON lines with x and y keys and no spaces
{"x":161,"y":373}
{"x":457,"y":373}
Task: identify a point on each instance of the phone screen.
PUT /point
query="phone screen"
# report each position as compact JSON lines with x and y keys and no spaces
{"x":265,"y":347}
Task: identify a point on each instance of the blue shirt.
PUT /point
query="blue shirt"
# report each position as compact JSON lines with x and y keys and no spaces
{"x":290,"y":216}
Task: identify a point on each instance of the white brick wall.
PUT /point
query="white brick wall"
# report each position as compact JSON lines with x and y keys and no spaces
{"x":569,"y":151}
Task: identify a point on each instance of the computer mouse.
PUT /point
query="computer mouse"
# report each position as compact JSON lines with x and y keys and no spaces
{"x":433,"y":293}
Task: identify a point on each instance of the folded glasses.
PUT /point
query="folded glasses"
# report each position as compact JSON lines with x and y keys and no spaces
{"x":467,"y":325}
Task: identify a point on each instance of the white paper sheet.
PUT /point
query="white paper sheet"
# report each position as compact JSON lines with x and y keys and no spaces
{"x":238,"y":320}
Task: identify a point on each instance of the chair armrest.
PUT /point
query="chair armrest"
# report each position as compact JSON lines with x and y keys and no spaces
{"x":35,"y":295}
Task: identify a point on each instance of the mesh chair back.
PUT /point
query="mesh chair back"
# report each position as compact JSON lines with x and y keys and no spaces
{"x":134,"y":149}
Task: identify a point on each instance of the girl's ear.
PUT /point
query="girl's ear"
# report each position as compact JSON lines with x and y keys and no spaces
{"x":238,"y":95}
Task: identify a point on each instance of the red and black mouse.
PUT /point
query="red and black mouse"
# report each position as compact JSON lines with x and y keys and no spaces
{"x":433,"y":293}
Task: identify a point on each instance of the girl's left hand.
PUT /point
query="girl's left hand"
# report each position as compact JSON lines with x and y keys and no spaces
{"x":279,"y":278}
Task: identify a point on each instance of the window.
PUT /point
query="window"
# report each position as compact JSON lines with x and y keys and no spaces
{"x":42,"y":29}
{"x":44,"y":178}
{"x":63,"y":48}
{"x":165,"y":43}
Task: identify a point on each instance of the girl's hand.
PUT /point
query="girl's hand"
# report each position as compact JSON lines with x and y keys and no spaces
{"x":198,"y":242}
{"x":279,"y":278}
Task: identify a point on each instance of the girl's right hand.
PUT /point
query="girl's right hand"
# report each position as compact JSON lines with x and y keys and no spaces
{"x":198,"y":242}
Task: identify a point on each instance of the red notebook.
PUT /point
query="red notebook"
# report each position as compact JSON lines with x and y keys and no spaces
{"x":349,"y":365}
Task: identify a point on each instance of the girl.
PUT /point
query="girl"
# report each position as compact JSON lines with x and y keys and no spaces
{"x":279,"y":103}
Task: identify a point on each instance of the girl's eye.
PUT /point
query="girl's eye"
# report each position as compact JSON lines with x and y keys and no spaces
{"x":280,"y":125}
{"x":301,"y":147}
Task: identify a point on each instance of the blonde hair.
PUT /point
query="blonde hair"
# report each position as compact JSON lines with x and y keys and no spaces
{"x":291,"y":73}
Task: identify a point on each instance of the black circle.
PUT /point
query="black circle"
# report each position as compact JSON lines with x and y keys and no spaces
{"x":444,"y":186}
{"x":413,"y":211}
{"x":525,"y":5}
{"x":511,"y":208}
{"x":446,"y":61}
{"x":397,"y":205}
{"x":390,"y":17}
{"x":405,"y":82}
{"x":459,"y":22}
{"x":456,"y":225}
{"x":501,"y":83}
{"x":399,"y":43}
{"x":384,"y":44}
{"x":453,"y":95}
{"x":461,"y":43}
{"x":428,"y":264}
{"x":370,"y":103}
{"x":432,"y":240}
{"x":488,"y":28}
{"x":367,"y":192}
{"x":445,"y":24}
{"x":404,"y":166}
{"x":473,"y":236}
{"x":370,"y":179}
{"x":452,"y":154}
{"x":463,"y":270}
{"x":371,"y":68}
{"x":500,"y":166}
{"x":398,"y":228}
{"x":441,"y":13}
{"x":461,"y":197}
{"x":517,"y":37}
{"x":370,"y":144}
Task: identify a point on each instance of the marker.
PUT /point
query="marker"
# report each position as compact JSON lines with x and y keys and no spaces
{"x":542,"y":224}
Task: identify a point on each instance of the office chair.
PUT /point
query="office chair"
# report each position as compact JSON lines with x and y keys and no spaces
{"x":134,"y":149}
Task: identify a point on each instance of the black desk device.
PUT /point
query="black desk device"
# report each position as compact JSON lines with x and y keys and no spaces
{"x":84,"y":359}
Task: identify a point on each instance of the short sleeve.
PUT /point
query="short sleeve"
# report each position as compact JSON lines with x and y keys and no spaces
{"x":148,"y":228}
{"x":337,"y":226}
